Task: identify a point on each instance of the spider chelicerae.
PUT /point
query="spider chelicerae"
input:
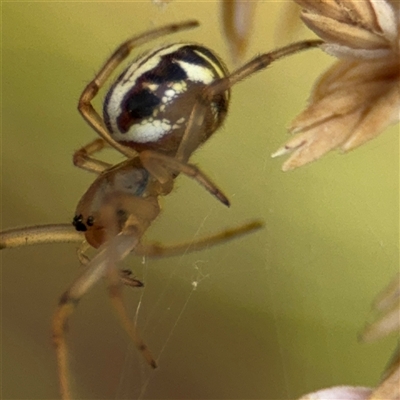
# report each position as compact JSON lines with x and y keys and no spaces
{"x":161,"y":108}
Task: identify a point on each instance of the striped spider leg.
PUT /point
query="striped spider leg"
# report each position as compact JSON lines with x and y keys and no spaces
{"x":113,"y":215}
{"x":194,"y":134}
{"x":120,"y":54}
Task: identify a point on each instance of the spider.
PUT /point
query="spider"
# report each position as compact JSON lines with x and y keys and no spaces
{"x":159,"y":110}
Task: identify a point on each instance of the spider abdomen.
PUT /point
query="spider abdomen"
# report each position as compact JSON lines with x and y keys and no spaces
{"x":149,"y":105}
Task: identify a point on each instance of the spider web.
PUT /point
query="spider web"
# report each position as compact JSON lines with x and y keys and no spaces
{"x":248,"y":299}
{"x":196,"y":274}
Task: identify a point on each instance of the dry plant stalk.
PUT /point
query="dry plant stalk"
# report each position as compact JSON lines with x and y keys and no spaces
{"x":339,"y":393}
{"x":352,"y":103}
{"x":359,"y":96}
{"x":387,"y":321}
{"x":237,"y":22}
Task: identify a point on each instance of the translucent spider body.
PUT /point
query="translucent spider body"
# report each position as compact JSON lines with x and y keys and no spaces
{"x":129,"y":189}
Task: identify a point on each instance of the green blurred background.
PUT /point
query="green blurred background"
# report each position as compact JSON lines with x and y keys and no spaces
{"x":275,"y":314}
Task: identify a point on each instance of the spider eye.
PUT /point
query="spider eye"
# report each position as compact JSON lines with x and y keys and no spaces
{"x":90,"y":221}
{"x":149,"y":105}
{"x":78,"y":223}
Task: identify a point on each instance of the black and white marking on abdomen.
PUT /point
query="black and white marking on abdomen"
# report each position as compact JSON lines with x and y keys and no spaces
{"x":142,"y":105}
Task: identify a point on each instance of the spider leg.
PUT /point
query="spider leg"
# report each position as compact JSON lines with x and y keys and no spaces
{"x":85,"y":106}
{"x":159,"y":250}
{"x":54,"y":233}
{"x":115,"y":293}
{"x":110,"y":253}
{"x":191,"y":138}
{"x":82,"y":158}
{"x":261,"y":62}
{"x":125,"y":274}
{"x":80,"y":253}
{"x":127,"y":279}
{"x":161,"y":166}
